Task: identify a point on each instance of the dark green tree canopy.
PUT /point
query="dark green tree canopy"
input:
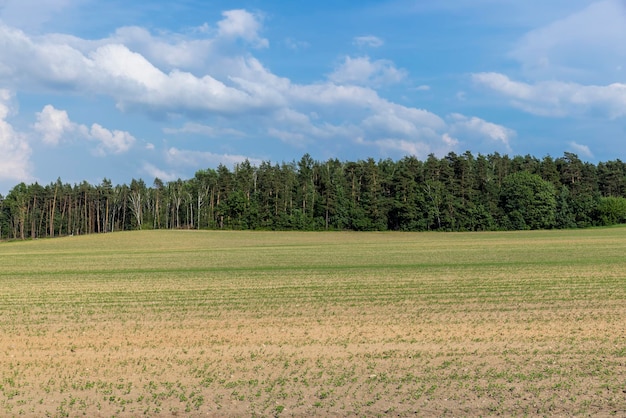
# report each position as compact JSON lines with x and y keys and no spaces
{"x":528,"y":201}
{"x":458,"y":192}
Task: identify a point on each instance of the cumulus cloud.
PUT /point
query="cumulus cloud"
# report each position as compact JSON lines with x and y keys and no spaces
{"x":428,"y":143}
{"x":397,"y":130}
{"x":473,"y":126}
{"x":556,"y":98}
{"x":111,"y":142}
{"x":368,"y":40}
{"x":242,"y":24}
{"x":392,"y":117}
{"x":438,"y":137}
{"x":136,"y":82}
{"x":330,"y":95}
{"x":363,"y":71}
{"x":166,"y":51}
{"x":54,"y":125}
{"x":347,"y":105}
{"x":14,"y":147}
{"x":111,"y":68}
{"x":198,"y":81}
{"x":361,"y":115}
{"x":298,"y":129}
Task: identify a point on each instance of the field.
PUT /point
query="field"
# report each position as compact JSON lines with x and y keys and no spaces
{"x":205,"y":323}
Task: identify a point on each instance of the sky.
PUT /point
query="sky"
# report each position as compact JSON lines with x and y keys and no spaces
{"x":148,"y":88}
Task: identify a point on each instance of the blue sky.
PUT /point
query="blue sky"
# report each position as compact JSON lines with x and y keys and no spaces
{"x":143,"y":89}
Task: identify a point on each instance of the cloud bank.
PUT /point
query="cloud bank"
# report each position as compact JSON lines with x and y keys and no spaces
{"x":14,"y":147}
{"x":160,"y":77}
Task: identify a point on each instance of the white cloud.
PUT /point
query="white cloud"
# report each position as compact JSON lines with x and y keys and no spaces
{"x":52,"y":124}
{"x":114,"y":70}
{"x":242,"y":24}
{"x":167,"y":51}
{"x":582,"y":150}
{"x":390,"y":122}
{"x":330,"y":95}
{"x":369,"y":40}
{"x":135,"y":82}
{"x":434,"y":143}
{"x":473,"y":126}
{"x":109,"y":67}
{"x":362,"y":116}
{"x":417,"y":149}
{"x":363,"y":71}
{"x":555,"y":98}
{"x":504,"y":85}
{"x":115,"y":142}
{"x":398,"y":130}
{"x":200,"y":159}
{"x":55,"y":125}
{"x":129,"y":70}
{"x":584,"y":46}
{"x":368,"y":112}
{"x":312,"y":128}
{"x":14,"y":148}
{"x":156,"y":172}
{"x":167,"y":75}
{"x":298,"y":129}
{"x":406,"y":120}
{"x":279,"y":106}
{"x":449,"y":141}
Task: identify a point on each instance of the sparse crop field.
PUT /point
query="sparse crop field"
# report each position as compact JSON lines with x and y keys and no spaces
{"x":197,"y":323}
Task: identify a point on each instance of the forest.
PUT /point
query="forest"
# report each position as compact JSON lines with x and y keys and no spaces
{"x":453,"y":193}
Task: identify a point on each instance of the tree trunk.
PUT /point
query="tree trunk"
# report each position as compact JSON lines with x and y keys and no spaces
{"x":51,"y":217}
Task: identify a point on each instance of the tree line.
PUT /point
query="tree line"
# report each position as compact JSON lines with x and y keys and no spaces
{"x":453,"y":193}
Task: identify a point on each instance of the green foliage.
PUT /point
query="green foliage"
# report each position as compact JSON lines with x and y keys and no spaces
{"x":454,"y":193}
{"x":611,"y":210}
{"x":565,"y":216}
{"x":529,"y":201}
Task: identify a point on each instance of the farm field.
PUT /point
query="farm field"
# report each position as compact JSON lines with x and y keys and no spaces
{"x":208,"y":323}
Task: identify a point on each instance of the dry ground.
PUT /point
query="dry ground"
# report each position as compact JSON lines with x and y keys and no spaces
{"x":293,"y":324}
